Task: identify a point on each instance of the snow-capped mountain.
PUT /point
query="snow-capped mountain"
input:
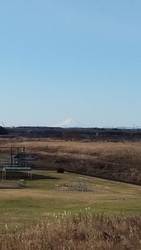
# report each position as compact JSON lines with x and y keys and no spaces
{"x":69,"y":123}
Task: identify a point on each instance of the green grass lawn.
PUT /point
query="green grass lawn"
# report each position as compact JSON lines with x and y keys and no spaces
{"x":40,"y":199}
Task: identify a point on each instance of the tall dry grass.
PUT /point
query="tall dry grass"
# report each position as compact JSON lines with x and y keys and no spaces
{"x":78,"y":232}
{"x":115,"y":160}
{"x":106,"y":151}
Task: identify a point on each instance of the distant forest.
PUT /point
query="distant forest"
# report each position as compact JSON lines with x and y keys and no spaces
{"x":3,"y":131}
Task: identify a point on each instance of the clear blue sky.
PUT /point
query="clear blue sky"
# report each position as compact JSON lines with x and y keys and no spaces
{"x":76,"y":59}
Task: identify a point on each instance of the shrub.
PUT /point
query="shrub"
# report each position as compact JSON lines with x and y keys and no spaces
{"x":60,"y":170}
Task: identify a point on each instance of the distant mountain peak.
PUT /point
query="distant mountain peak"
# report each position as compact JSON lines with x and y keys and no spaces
{"x":69,"y":123}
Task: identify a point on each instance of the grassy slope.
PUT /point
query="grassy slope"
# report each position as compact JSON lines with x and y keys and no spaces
{"x":22,"y":207}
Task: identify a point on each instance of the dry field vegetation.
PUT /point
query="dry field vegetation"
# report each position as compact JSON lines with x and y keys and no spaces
{"x":121,"y":160}
{"x":42,"y":217}
{"x":78,"y":232}
{"x":41,"y":199}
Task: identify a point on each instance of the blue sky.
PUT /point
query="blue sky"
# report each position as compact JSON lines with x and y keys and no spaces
{"x":77,"y":59}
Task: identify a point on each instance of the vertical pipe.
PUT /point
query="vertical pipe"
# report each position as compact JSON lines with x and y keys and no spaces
{"x":11,"y":158}
{"x":18,"y":155}
{"x":24,"y":155}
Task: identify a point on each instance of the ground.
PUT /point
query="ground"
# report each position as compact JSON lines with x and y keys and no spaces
{"x":40,"y":199}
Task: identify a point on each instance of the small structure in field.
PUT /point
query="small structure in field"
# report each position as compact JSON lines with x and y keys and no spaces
{"x":101,"y":188}
{"x":13,"y":162}
{"x":79,"y":184}
{"x":21,"y":183}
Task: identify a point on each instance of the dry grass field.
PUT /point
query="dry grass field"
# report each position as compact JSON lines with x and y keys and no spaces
{"x":43,"y":216}
{"x":120,"y":160}
{"x":78,"y":232}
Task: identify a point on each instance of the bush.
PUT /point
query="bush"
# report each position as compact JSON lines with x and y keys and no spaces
{"x":60,"y":170}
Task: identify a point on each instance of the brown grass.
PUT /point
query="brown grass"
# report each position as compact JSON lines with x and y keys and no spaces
{"x":87,"y":230}
{"x":107,"y":159}
{"x":77,"y":232}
